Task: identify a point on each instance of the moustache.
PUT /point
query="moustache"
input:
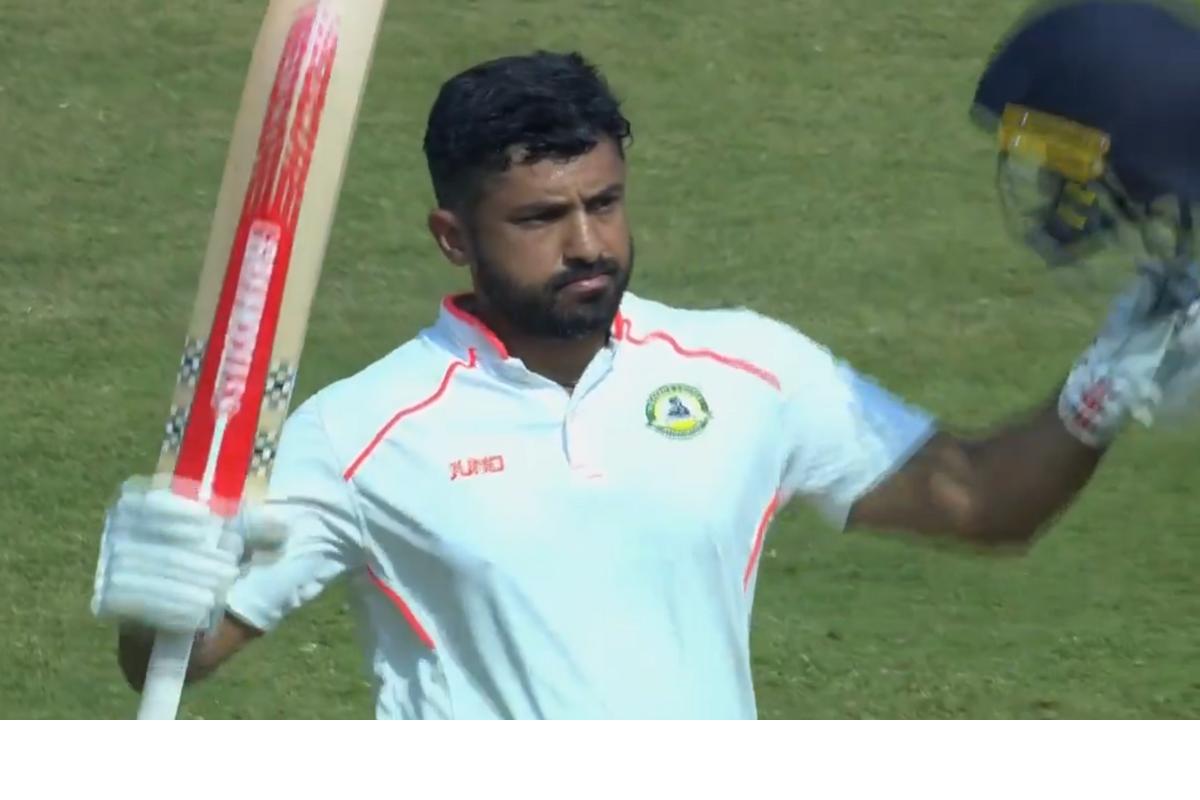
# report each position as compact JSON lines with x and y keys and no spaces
{"x":582,"y":271}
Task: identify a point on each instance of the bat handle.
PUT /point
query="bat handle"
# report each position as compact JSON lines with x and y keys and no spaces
{"x":165,"y":675}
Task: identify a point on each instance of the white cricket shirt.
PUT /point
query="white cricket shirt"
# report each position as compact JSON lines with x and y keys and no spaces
{"x":518,"y":551}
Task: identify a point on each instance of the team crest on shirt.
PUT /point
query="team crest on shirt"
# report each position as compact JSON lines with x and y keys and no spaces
{"x":677,"y":411}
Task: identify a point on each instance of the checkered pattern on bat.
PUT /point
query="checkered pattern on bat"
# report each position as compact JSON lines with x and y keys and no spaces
{"x":280,"y":382}
{"x":191,"y":361}
{"x":265,"y":446}
{"x":176,"y":423}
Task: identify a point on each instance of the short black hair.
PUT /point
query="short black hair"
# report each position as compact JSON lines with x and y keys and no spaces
{"x":535,"y":106}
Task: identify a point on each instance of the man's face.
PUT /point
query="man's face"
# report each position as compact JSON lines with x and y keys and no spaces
{"x":550,"y":247}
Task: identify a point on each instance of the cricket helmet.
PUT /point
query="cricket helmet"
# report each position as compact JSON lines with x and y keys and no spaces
{"x":1095,"y":105}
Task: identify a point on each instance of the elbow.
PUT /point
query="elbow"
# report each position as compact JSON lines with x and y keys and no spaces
{"x":1004,"y":534}
{"x":992,"y":529}
{"x":1005,"y":539}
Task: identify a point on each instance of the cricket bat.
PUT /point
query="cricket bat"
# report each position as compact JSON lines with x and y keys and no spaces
{"x":276,"y":204}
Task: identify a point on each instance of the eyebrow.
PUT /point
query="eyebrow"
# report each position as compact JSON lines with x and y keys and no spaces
{"x":541,"y":206}
{"x":612,"y":190}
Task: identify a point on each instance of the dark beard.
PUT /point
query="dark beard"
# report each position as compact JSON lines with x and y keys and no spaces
{"x":540,"y":313}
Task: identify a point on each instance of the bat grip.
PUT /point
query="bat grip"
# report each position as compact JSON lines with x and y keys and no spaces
{"x":165,"y":675}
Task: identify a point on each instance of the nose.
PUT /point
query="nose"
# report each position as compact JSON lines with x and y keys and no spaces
{"x":582,"y":240}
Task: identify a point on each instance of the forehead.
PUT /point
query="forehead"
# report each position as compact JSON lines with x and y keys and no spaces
{"x":549,"y":179}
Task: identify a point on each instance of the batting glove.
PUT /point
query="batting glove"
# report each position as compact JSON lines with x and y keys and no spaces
{"x":1139,"y":352}
{"x":167,"y":562}
{"x":1179,"y":376}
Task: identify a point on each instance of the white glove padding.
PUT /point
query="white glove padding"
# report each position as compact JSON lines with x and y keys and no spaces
{"x":1179,"y":376}
{"x":1124,"y":372}
{"x":167,"y":562}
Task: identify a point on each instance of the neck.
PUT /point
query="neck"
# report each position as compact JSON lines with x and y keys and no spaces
{"x":560,"y":360}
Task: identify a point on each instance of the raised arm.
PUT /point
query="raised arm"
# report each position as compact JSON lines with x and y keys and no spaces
{"x":168,"y":563}
{"x":1004,"y":487}
{"x":1000,"y":489}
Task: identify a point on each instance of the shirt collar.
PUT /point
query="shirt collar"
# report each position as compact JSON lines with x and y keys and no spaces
{"x":468,"y":330}
{"x":471,"y":333}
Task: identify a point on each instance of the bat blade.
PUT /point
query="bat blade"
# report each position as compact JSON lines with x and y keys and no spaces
{"x":269,"y":233}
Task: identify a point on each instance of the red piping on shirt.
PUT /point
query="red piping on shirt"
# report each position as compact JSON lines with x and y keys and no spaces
{"x":759,"y":536}
{"x":624,"y":331}
{"x":470,"y":363}
{"x":451,"y":304}
{"x":402,"y":606}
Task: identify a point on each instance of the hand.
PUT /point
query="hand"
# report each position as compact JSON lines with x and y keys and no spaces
{"x":166,"y":562}
{"x":1145,"y":355}
{"x":1179,"y":375}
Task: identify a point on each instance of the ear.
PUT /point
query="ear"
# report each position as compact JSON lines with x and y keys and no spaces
{"x":449,"y":233}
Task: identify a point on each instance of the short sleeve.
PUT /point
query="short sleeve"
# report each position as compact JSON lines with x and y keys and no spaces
{"x":324,"y":536}
{"x":845,"y":433}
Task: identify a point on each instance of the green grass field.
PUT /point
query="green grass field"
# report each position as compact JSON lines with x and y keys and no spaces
{"x":811,"y":159}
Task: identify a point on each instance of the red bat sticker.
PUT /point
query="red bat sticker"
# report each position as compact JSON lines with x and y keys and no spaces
{"x":218,"y":443}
